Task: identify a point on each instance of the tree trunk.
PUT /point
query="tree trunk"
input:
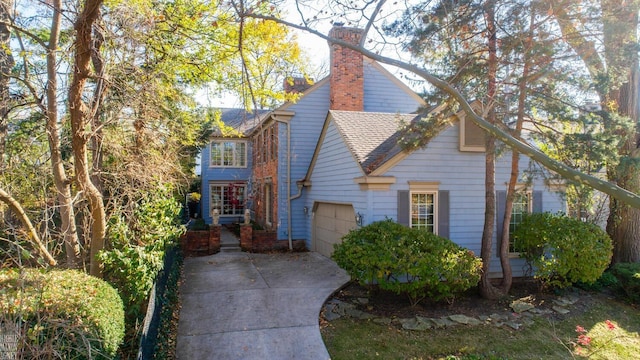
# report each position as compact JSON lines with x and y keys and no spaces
{"x":620,"y":21}
{"x":96,"y":123}
{"x":487,"y":290}
{"x":62,"y":183}
{"x":6,"y":64}
{"x":24,"y":219}
{"x":80,"y":119}
{"x":505,"y":261}
{"x":620,"y":97}
{"x":623,"y":224}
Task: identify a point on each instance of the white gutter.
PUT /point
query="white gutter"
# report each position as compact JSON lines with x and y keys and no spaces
{"x":286,"y":117}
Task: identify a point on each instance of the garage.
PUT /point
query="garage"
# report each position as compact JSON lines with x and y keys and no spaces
{"x":330,"y":223}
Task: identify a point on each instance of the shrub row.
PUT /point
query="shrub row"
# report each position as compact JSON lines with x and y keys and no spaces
{"x":407,"y":261}
{"x":61,"y":314}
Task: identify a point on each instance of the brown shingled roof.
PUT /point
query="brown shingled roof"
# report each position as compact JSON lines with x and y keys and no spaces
{"x":371,"y":137}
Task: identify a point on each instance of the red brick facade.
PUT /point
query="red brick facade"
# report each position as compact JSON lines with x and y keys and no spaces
{"x":265,"y":241}
{"x":265,"y":176}
{"x":347,"y":71}
{"x":201,"y":242}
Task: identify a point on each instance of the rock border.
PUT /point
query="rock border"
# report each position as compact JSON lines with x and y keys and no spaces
{"x":523,"y":314}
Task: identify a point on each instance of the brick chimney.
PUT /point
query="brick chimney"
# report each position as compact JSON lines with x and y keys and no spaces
{"x":347,"y":71}
{"x":296,"y":85}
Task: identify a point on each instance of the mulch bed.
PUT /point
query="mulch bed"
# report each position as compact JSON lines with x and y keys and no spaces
{"x":387,"y":304}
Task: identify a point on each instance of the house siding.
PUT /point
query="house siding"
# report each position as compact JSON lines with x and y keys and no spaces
{"x":459,"y":173}
{"x":332,"y":178}
{"x":382,"y":94}
{"x":221,"y":175}
{"x":306,"y":125}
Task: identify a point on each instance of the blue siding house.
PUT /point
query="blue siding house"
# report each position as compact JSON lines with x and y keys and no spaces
{"x":315,"y":169}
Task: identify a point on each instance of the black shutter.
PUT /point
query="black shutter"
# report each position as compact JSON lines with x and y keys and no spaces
{"x":403,"y":207}
{"x":537,"y":201}
{"x":443,"y":213}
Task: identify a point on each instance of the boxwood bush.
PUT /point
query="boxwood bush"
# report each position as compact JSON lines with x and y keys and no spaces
{"x":407,"y":261}
{"x":61,"y":314}
{"x":563,"y":250}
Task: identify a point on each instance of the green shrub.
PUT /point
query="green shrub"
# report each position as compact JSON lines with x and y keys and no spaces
{"x":135,"y":253}
{"x":628,"y":275}
{"x":607,"y":280}
{"x":563,"y":250}
{"x":61,"y":314}
{"x":407,"y":261}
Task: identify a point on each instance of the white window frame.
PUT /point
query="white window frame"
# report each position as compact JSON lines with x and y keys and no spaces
{"x":424,"y":188}
{"x":463,"y":138}
{"x":235,"y":211}
{"x":239,"y":158}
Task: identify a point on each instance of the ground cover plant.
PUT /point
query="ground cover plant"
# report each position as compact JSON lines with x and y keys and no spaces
{"x":598,"y":326}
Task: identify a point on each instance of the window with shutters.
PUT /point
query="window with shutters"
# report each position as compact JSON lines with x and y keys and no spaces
{"x":423,"y":211}
{"x":423,"y":205}
{"x":522,"y":205}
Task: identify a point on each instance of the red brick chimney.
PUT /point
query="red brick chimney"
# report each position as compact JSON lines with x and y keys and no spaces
{"x":347,"y":71}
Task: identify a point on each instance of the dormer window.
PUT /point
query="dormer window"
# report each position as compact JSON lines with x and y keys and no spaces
{"x":228,"y":153}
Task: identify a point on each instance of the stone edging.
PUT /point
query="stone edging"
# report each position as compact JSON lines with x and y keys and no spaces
{"x":522,"y":315}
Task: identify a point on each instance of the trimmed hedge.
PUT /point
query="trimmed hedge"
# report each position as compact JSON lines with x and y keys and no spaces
{"x":563,"y":250}
{"x":407,"y":261}
{"x":61,"y":314}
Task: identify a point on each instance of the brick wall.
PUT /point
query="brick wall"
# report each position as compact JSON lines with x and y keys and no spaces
{"x":265,"y":241}
{"x":347,"y":71}
{"x":201,"y":242}
{"x":265,"y":169}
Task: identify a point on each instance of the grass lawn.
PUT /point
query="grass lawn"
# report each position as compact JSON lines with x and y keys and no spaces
{"x":547,"y":338}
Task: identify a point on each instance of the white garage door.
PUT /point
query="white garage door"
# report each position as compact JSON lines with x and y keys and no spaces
{"x":330,"y":223}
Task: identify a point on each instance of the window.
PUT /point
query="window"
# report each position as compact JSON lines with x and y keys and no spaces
{"x":423,"y":214}
{"x":268,"y":203}
{"x":521,"y":206}
{"x":228,"y":153}
{"x":228,"y":199}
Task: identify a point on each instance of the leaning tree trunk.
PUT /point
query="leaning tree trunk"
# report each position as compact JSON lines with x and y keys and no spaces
{"x":80,"y":119}
{"x":24,"y":219}
{"x":60,"y":179}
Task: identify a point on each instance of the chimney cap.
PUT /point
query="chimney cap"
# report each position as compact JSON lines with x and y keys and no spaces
{"x":338,"y":23}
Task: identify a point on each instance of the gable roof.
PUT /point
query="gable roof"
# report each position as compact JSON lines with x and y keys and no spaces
{"x":371,"y":137}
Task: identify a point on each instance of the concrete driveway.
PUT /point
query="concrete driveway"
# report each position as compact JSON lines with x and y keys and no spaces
{"x":255,"y":306}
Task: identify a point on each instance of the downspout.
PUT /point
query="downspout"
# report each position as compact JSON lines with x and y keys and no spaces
{"x":289,"y":198}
